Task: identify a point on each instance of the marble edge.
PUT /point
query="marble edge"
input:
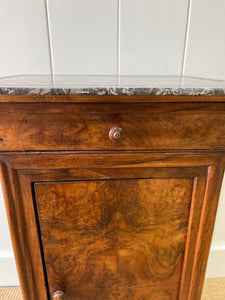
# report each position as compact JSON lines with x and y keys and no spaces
{"x":113,"y":91}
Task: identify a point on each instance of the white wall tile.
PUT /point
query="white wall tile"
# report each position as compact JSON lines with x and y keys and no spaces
{"x":152,"y":36}
{"x":216,"y":262}
{"x":219,"y":229}
{"x":24,"y":40}
{"x":5,"y":241}
{"x":8,"y":273}
{"x":206,"y":39}
{"x":83,"y":36}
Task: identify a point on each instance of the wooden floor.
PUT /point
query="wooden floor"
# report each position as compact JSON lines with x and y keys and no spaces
{"x":214,"y":289}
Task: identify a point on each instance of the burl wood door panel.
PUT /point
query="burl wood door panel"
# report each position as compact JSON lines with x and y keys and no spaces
{"x":115,"y":239}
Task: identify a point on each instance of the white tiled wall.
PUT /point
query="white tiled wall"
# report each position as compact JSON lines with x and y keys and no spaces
{"x":206,"y":39}
{"x":24,"y":46}
{"x":113,"y":37}
{"x":152,"y":36}
{"x":216,"y":263}
{"x":83,"y":36}
{"x":8,"y":274}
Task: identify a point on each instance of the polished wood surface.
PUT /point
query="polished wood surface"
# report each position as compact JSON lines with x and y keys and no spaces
{"x":31,"y":168}
{"x":112,"y":238}
{"x":24,"y":233}
{"x":125,"y":219}
{"x":146,"y":126}
{"x":110,"y":98}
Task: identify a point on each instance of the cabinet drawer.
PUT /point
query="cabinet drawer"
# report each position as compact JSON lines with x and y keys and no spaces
{"x":125,"y":126}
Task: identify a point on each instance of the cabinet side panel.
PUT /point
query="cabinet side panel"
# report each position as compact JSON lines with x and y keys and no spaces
{"x":208,"y":216}
{"x":23,"y":230}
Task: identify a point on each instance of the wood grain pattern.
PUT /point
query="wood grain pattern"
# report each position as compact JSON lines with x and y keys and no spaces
{"x":73,"y":161}
{"x":149,"y":199}
{"x":208,"y":216}
{"x":114,"y":237}
{"x":110,"y":98}
{"x":87,"y":126}
{"x":23,"y":229}
{"x":50,"y":167}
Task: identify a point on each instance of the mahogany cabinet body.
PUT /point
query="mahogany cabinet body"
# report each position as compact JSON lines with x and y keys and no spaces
{"x":130,"y":218}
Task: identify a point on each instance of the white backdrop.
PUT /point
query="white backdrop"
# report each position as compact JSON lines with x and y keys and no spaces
{"x":132,"y":37}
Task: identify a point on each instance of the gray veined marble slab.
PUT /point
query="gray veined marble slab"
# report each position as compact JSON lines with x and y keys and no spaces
{"x":109,"y":85}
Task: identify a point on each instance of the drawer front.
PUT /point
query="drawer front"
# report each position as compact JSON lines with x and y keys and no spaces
{"x":126,"y":126}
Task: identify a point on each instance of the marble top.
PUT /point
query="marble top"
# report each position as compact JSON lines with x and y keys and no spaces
{"x":109,"y":85}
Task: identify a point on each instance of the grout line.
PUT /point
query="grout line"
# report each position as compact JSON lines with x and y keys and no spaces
{"x":49,"y":37}
{"x":186,"y":38}
{"x":118,"y":36}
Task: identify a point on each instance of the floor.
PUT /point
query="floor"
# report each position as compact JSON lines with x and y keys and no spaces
{"x":214,"y":289}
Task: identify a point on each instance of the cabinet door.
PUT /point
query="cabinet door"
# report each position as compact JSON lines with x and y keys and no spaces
{"x":113,"y":226}
{"x":119,"y":238}
{"x":115,"y":239}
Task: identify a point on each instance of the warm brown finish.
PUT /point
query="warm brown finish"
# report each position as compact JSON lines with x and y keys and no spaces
{"x":123,"y":220}
{"x":110,"y":238}
{"x":146,"y":126}
{"x":110,"y":98}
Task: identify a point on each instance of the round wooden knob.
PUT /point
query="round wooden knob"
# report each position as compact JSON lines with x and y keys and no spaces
{"x":116,"y":134}
{"x":58,"y":295}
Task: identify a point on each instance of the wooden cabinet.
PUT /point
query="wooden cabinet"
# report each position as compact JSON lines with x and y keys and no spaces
{"x":111,"y":200}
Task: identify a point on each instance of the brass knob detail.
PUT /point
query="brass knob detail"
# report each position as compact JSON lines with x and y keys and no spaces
{"x":116,"y":134}
{"x":58,"y":295}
